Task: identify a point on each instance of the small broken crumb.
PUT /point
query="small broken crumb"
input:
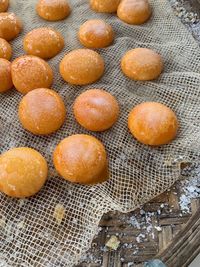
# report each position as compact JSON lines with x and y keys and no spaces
{"x":2,"y":222}
{"x":20,"y":225}
{"x":113,"y":242}
{"x":59,"y":213}
{"x":21,"y":202}
{"x":158,"y":228}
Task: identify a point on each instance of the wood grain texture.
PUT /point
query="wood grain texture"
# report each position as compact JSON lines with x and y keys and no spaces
{"x":185,"y":245}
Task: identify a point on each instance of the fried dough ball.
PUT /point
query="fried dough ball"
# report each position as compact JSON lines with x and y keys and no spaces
{"x":81,"y":159}
{"x":42,"y":111}
{"x":4,"y":5}
{"x":23,"y":172}
{"x":96,"y":33}
{"x":153,"y":124}
{"x":96,"y":110}
{"x":31,"y":72}
{"x":142,"y":64}
{"x":81,"y":67}
{"x":43,"y":42}
{"x":105,"y":6}
{"x":5,"y":75}
{"x":53,"y":10}
{"x":5,"y":49}
{"x":10,"y":26}
{"x":134,"y":12}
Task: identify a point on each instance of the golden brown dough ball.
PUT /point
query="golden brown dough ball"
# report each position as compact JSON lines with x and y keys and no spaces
{"x":53,"y":10}
{"x":43,"y":42}
{"x":96,"y":110}
{"x":5,"y":49}
{"x":4,"y":5}
{"x":96,"y":33}
{"x":142,"y":64}
{"x":42,"y":111}
{"x":10,"y":26}
{"x":153,"y":124}
{"x":5,"y":75}
{"x":105,"y":6}
{"x":23,"y":172}
{"x":31,"y":72}
{"x":81,"y":159}
{"x":134,"y":12}
{"x":82,"y":66}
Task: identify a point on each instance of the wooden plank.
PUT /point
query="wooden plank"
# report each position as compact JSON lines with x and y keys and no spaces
{"x":185,"y":246}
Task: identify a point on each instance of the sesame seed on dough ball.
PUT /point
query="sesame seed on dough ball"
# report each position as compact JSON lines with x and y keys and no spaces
{"x":23,"y":172}
{"x":81,"y":159}
{"x":42,"y":111}
{"x":96,"y":110}
{"x":104,"y":6}
{"x":81,"y":67}
{"x":43,"y":42}
{"x":142,"y":64}
{"x":134,"y":12}
{"x":96,"y":33}
{"x":10,"y":26}
{"x":5,"y":75}
{"x":153,"y":123}
{"x":31,"y":72}
{"x":53,"y":10}
{"x":5,"y":49}
{"x":4,"y":5}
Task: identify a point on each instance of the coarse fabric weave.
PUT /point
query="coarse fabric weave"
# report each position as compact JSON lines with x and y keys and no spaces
{"x":29,"y":233}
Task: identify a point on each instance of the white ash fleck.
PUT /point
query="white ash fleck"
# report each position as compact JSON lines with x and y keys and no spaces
{"x":90,"y":258}
{"x":185,"y":15}
{"x":140,"y":238}
{"x":135,"y":251}
{"x":134,"y":222}
{"x":159,"y":211}
{"x":190,"y":187}
{"x":142,"y":212}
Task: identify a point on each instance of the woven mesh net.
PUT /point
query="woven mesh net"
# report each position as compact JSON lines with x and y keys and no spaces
{"x":29,"y":233}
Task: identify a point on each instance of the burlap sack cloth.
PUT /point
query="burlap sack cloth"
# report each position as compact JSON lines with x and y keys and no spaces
{"x":29,"y":233}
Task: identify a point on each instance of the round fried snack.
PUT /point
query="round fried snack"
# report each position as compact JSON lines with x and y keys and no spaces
{"x":43,"y":42}
{"x":96,"y":110}
{"x":142,"y":64}
{"x":23,"y":172}
{"x":5,"y":49}
{"x":134,"y":12}
{"x":31,"y":72}
{"x":81,"y":159}
{"x":96,"y":33}
{"x":10,"y":26}
{"x":42,"y":111}
{"x":4,"y":5}
{"x":81,"y":67}
{"x":53,"y":10}
{"x":153,"y":124}
{"x":5,"y":75}
{"x":105,"y":6}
